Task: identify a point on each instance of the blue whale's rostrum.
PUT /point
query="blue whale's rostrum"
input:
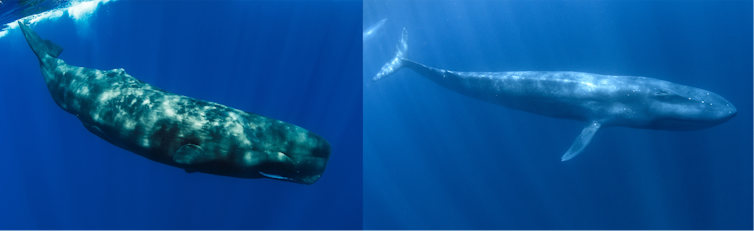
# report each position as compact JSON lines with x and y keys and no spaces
{"x":192,"y":134}
{"x":598,"y":100}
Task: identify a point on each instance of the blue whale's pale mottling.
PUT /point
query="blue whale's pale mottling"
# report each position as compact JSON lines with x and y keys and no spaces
{"x":598,"y":100}
{"x":192,"y":134}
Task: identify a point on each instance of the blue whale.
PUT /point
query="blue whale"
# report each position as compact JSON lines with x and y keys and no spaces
{"x":597,"y":100}
{"x":192,"y":134}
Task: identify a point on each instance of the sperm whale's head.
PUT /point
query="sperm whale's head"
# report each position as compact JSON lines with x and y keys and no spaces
{"x":290,"y":153}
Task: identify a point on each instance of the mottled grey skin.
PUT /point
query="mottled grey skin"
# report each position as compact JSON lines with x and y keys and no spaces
{"x":598,"y":100}
{"x":176,"y":130}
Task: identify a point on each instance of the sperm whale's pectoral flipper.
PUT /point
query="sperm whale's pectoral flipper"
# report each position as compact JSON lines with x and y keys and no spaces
{"x":192,"y":154}
{"x":396,"y":63}
{"x":582,"y":141}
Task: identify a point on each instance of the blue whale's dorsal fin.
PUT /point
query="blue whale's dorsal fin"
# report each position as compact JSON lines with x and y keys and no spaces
{"x":192,"y":154}
{"x":582,"y":140}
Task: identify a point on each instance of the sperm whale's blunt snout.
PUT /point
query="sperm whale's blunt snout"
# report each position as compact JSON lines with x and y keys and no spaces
{"x":304,"y":156}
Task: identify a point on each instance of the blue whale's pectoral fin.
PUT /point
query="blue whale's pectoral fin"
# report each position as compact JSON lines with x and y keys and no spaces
{"x":396,"y":63}
{"x":582,"y":141}
{"x":192,"y":154}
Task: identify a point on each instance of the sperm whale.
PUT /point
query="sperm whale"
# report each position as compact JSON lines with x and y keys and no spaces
{"x":192,"y":134}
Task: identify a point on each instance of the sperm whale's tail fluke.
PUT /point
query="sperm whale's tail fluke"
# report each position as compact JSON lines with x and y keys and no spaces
{"x":38,"y":45}
{"x":397,"y":62}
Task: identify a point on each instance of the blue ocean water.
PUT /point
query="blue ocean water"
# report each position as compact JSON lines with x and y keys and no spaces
{"x":296,"y":61}
{"x":434,"y":159}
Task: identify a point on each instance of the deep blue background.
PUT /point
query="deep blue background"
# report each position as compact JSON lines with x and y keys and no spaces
{"x":434,"y":159}
{"x":296,"y":61}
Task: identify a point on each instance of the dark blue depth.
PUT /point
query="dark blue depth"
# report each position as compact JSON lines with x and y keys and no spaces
{"x":296,"y":61}
{"x":434,"y":159}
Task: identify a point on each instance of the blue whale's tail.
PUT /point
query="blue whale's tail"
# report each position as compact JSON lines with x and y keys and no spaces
{"x":38,"y":45}
{"x":398,"y":61}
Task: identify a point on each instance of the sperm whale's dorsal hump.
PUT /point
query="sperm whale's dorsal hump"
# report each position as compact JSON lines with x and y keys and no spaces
{"x":597,"y":100}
